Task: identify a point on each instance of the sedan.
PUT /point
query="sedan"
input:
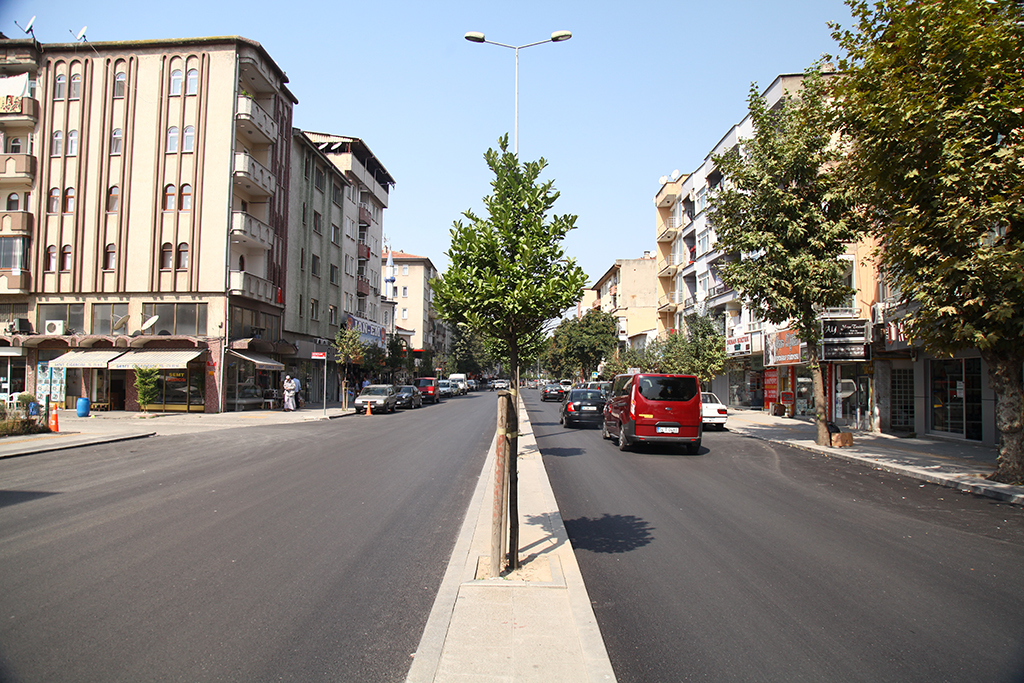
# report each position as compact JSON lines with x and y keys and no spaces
{"x":552,"y":392}
{"x":409,"y":397}
{"x":582,"y":406}
{"x":715,"y":413}
{"x":445,"y":389}
{"x":379,"y":398}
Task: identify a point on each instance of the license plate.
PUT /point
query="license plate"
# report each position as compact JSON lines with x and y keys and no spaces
{"x":668,"y":430}
{"x":590,"y":408}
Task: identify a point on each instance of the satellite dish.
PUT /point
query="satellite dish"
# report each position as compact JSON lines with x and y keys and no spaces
{"x":149,"y":323}
{"x":675,"y":174}
{"x":81,"y":34}
{"x":662,"y":180}
{"x":120,"y":322}
{"x":28,"y":26}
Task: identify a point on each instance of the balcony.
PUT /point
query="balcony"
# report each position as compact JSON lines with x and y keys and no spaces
{"x":362,"y":286}
{"x":19,"y":112}
{"x":14,"y":282}
{"x":252,"y":177}
{"x":363,"y":251}
{"x":667,"y":267}
{"x":689,"y":303}
{"x":668,"y":194}
{"x":669,"y":302}
{"x":242,"y":283}
{"x":17,"y":222}
{"x":254,"y":122}
{"x":364,"y":214}
{"x":250,"y":231}
{"x":669,"y":230}
{"x":17,"y":170}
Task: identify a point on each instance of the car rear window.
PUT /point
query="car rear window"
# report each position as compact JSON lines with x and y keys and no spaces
{"x":424,"y":382}
{"x":668,"y":388}
{"x":585,"y":395}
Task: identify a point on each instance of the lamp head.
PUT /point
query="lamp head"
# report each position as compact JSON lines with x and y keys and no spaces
{"x":559,"y":36}
{"x":475,"y":37}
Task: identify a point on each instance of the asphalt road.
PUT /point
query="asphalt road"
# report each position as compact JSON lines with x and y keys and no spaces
{"x":754,"y":562}
{"x":307,"y":552}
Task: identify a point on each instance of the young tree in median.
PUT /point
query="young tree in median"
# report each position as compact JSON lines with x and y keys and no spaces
{"x":933,"y":99}
{"x":507,"y":272}
{"x":788,"y":215}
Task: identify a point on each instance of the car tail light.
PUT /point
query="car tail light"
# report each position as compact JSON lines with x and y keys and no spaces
{"x":571,"y":407}
{"x":723,"y":411}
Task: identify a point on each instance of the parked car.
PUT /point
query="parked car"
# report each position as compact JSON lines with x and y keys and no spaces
{"x":582,"y":406}
{"x":654,"y":408}
{"x":472,"y":384}
{"x":713,"y":412}
{"x":604,"y":387}
{"x":409,"y":397}
{"x":444,"y":388}
{"x":552,"y":392}
{"x":381,"y":398}
{"x":500,"y":384}
{"x":459,"y":385}
{"x":428,"y":388}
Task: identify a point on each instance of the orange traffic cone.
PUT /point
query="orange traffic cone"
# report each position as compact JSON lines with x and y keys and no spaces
{"x":54,"y":426}
{"x":368,"y":408}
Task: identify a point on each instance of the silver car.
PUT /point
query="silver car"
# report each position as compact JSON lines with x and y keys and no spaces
{"x":380,"y":398}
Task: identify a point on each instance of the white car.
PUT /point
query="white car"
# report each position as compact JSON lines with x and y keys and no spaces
{"x":715,"y":412}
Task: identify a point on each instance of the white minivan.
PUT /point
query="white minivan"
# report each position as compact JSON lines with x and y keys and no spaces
{"x":459,"y":384}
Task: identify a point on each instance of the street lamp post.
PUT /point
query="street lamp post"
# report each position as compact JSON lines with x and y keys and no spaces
{"x":556,"y":37}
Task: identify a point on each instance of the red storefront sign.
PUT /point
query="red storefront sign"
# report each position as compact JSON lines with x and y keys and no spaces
{"x":771,"y":386}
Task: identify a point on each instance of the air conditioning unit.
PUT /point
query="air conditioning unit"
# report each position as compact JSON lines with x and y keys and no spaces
{"x":53,"y":327}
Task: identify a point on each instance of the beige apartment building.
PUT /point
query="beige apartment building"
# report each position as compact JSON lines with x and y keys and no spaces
{"x":414,"y":308}
{"x":628,"y":291}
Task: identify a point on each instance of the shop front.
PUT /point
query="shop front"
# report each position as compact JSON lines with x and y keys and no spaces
{"x":84,"y":373}
{"x":956,"y":397}
{"x":12,"y":371}
{"x":181,"y":381}
{"x":745,"y":371}
{"x":252,"y":381}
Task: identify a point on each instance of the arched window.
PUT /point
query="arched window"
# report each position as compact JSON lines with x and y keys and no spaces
{"x":176,"y":82}
{"x":113,"y":199}
{"x":241,"y":262}
{"x":51,"y":259}
{"x":120,"y":83}
{"x":60,"y":87}
{"x":76,"y":87}
{"x":172,"y":139}
{"x":188,"y":139}
{"x":186,"y":198}
{"x":110,"y":257}
{"x":53,"y":202}
{"x":72,"y":143}
{"x":181,"y":260}
{"x":166,"y":256}
{"x":14,"y":146}
{"x":169,"y":192}
{"x":115,"y":141}
{"x":57,"y":143}
{"x":69,"y":200}
{"x":65,"y":259}
{"x":13,"y":201}
{"x":192,"y":82}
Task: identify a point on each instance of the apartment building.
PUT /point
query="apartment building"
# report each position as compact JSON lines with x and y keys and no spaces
{"x":414,"y":308}
{"x":628,"y":291}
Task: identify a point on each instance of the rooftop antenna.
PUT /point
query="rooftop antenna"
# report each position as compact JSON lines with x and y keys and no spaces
{"x":81,"y":35}
{"x":149,"y":323}
{"x":28,"y":27}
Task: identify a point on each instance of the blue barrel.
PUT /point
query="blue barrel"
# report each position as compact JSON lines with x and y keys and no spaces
{"x":83,"y":407}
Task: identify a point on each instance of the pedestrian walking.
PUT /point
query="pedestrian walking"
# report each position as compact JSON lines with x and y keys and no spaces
{"x":289,"y":393}
{"x":298,"y":392}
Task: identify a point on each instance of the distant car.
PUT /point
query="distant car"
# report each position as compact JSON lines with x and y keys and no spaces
{"x":604,"y":387}
{"x":428,"y":388}
{"x":409,"y":397}
{"x":714,"y":411}
{"x":381,"y":398}
{"x":552,"y":392}
{"x":500,"y":384}
{"x":472,"y":384}
{"x":445,"y":389}
{"x":582,"y":406}
{"x":566,"y":384}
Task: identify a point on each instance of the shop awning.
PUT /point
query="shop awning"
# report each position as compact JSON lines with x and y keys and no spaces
{"x":161,"y":359}
{"x":261,"y":362}
{"x":86,"y":358}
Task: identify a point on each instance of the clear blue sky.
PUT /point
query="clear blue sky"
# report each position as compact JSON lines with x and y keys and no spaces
{"x":641,"y":89}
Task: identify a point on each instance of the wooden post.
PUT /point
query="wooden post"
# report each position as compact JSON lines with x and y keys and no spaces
{"x":513,"y":475}
{"x":500,"y":484}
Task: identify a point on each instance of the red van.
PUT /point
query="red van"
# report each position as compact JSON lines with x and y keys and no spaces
{"x":653,"y":408}
{"x":428,"y":388}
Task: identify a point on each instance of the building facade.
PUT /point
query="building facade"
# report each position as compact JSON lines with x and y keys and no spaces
{"x":628,"y":291}
{"x":425,"y":332}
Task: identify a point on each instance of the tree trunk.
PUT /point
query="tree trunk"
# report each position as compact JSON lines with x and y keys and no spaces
{"x":821,"y":437}
{"x":513,"y":462}
{"x":1007,"y":382}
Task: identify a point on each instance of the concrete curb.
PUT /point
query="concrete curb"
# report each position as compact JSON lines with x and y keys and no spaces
{"x":37,"y":445}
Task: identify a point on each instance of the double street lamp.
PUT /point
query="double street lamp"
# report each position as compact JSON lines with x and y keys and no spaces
{"x":556,"y":37}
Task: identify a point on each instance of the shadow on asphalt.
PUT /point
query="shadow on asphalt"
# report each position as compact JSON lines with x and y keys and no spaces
{"x":8,"y":498}
{"x":563,"y":452}
{"x":609,"y":533}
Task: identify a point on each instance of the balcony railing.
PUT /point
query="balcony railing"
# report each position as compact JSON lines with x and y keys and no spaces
{"x":242,"y":283}
{"x":669,"y":301}
{"x":362,"y":286}
{"x":667,"y":267}
{"x":251,"y":231}
{"x":19,"y":110}
{"x":669,"y":230}
{"x":364,"y":214}
{"x":254,"y":122}
{"x":17,"y":169}
{"x":363,"y":251}
{"x":252,"y":176}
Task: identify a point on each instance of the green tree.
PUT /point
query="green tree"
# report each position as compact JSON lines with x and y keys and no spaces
{"x":374,"y":359}
{"x":933,"y":99}
{"x":622,"y":359}
{"x":578,"y":345}
{"x":787,"y":211}
{"x":348,"y":349}
{"x":698,"y":350}
{"x":396,"y":354}
{"x":146,"y":386}
{"x":468,"y":353}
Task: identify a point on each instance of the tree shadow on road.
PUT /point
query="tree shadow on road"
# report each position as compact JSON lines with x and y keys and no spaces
{"x":563,"y":452}
{"x":609,"y":533}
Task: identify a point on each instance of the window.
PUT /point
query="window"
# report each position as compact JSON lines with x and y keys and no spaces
{"x":302,"y":259}
{"x":314,"y":266}
{"x":306,"y":165}
{"x":241,"y":263}
{"x":334,"y":274}
{"x":181,"y":258}
{"x":405,"y":270}
{"x":115,"y":141}
{"x":405,"y":314}
{"x":305,"y":212}
{"x":72,"y":143}
{"x":405,"y":292}
{"x":169,"y":198}
{"x":120,"y":81}
{"x":335,"y":233}
{"x":13,"y":253}
{"x":179,"y":319}
{"x":703,"y":242}
{"x":348,"y":265}
{"x":60,"y":87}
{"x":314,"y":309}
{"x":318,"y":222}
{"x":172,"y":140}
{"x":76,"y":87}
{"x":53,"y":202}
{"x":702,"y":199}
{"x":332,"y":315}
{"x":300,"y":306}
{"x":192,"y":82}
{"x":166,"y":256}
{"x":336,"y":194}
{"x":109,"y":257}
{"x":13,"y":201}
{"x":176,"y":82}
{"x":69,"y":200}
{"x":65,"y":258}
{"x":318,"y":178}
{"x":57,"y":144}
{"x":188,"y":139}
{"x":14,"y":146}
{"x":113,"y":199}
{"x":51,"y":259}
{"x":186,"y":198}
{"x":106,"y":316}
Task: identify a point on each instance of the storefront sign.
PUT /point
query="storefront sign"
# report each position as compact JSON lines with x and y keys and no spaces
{"x":840,"y":331}
{"x":370,"y":332}
{"x":771,"y":386}
{"x":857,"y":351}
{"x":318,"y":355}
{"x":738,"y":346}
{"x":786,"y":398}
{"x":783,"y":348}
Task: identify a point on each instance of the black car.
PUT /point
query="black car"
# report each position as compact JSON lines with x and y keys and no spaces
{"x":582,"y":406}
{"x":409,"y":397}
{"x":552,"y":392}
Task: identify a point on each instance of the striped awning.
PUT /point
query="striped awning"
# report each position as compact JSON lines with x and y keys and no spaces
{"x":161,"y":359}
{"x":86,"y":358}
{"x":260,"y":361}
